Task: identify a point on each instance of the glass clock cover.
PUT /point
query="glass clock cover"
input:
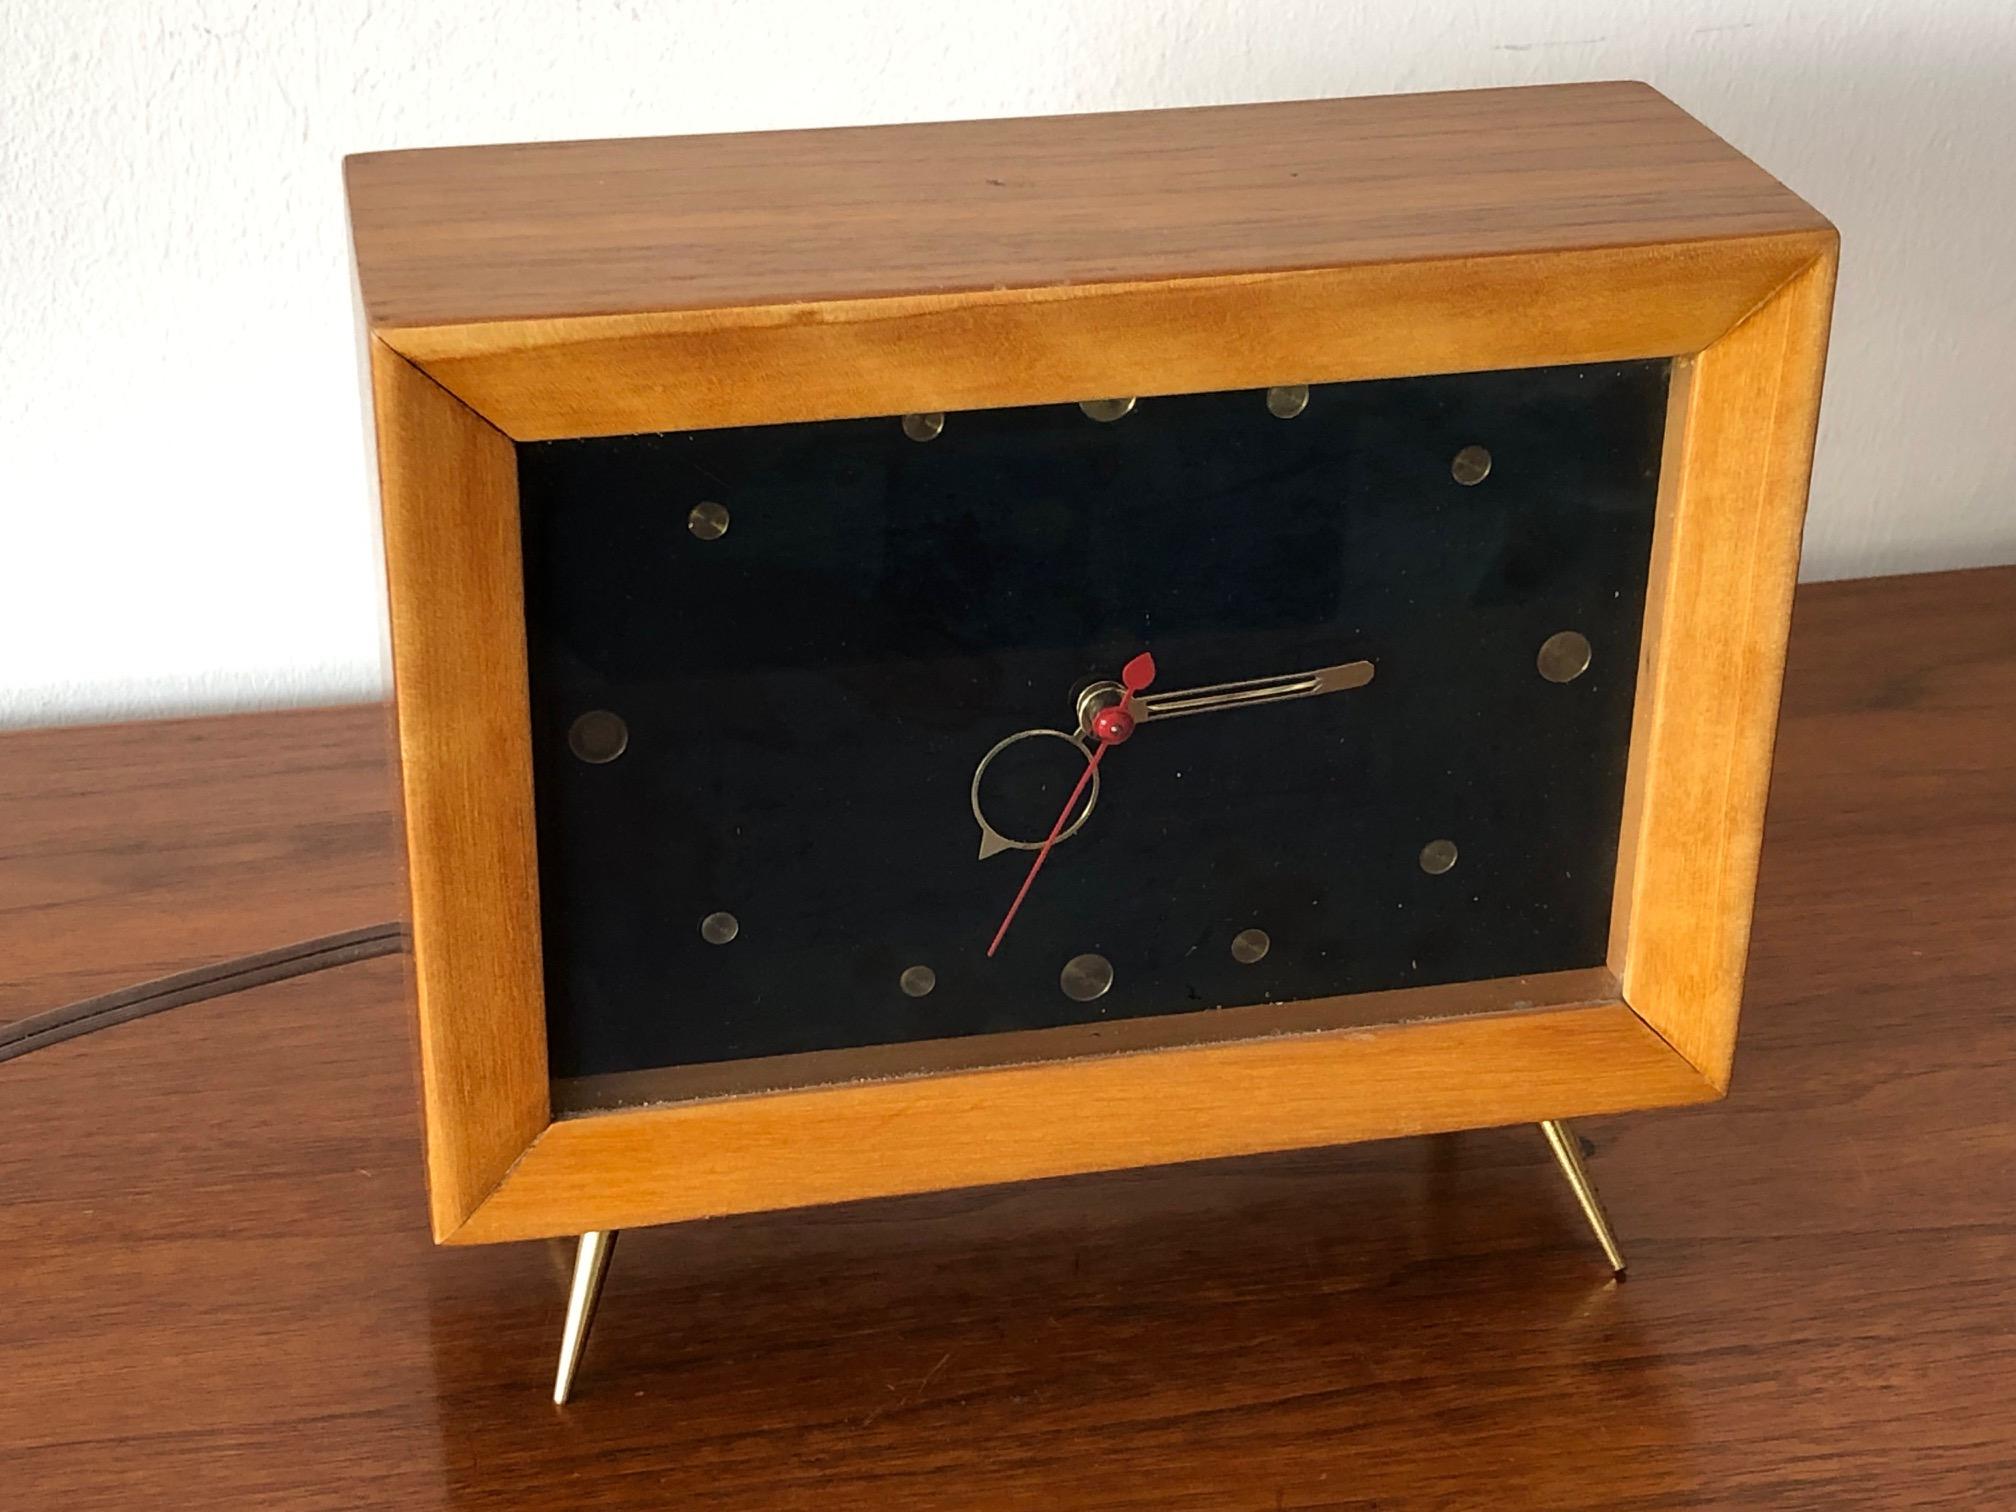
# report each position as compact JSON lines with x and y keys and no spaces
{"x":807,"y":699}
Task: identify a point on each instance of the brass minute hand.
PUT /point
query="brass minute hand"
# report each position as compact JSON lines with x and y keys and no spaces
{"x":1230,"y":695}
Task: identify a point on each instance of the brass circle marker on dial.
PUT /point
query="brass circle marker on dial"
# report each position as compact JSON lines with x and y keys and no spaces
{"x":992,"y":841}
{"x":708,"y":521}
{"x":917,"y":981}
{"x":1250,"y":946}
{"x":1564,"y":656}
{"x":1470,"y":466}
{"x":598,"y":737}
{"x":1106,"y":411}
{"x":1437,"y":856}
{"x":1287,"y":402}
{"x":1086,"y":977}
{"x":719,"y":928}
{"x":924,"y":427}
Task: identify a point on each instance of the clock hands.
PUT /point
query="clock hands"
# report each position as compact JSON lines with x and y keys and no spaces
{"x":1109,"y":712}
{"x":1230,"y":695}
{"x":1110,"y":726}
{"x":1146,"y":708}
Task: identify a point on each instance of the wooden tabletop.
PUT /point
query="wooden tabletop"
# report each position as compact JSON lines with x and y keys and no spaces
{"x":218,"y":1290}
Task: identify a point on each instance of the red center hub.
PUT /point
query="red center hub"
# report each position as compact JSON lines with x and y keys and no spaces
{"x":1113,"y":725}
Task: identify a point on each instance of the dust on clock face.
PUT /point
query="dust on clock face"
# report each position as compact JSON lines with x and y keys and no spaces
{"x":807,"y":698}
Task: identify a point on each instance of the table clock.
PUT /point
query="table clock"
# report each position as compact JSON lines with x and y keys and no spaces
{"x":950,"y":654}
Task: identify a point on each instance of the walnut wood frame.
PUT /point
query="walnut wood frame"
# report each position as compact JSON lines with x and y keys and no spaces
{"x":514,"y":294}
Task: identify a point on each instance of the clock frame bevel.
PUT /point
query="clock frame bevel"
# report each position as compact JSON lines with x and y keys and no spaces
{"x":1597,"y":222}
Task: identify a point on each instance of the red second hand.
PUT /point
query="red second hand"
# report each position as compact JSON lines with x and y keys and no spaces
{"x":1136,"y":676}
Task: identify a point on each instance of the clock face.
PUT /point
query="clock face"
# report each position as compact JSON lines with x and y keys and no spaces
{"x":807,"y":698}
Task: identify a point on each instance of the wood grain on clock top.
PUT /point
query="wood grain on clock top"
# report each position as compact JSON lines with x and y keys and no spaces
{"x":613,"y":288}
{"x":536,"y":231}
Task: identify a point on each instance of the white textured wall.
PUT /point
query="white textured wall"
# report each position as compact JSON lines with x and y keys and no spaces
{"x":182,"y":464}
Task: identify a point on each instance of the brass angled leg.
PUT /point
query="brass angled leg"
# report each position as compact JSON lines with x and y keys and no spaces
{"x":1563,"y":1141}
{"x":591,"y":1267}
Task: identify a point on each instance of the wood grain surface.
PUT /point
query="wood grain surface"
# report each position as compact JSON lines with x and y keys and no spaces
{"x":135,"y":851}
{"x":1013,"y":1123}
{"x":745,"y":365}
{"x":1725,"y":564}
{"x":220,"y":1291}
{"x":448,"y":484}
{"x":567,"y":229}
{"x":601,"y":288}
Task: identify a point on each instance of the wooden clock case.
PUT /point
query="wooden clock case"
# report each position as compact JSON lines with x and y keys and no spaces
{"x":517,"y":294}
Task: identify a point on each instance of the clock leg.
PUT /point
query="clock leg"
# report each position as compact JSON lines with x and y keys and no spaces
{"x":591,"y":1268}
{"x":1562,"y":1139}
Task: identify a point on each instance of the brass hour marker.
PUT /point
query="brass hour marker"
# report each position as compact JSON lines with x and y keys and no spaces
{"x":1437,"y":856}
{"x":917,"y":981}
{"x":923,"y":427}
{"x":598,"y":736}
{"x":1086,"y":977}
{"x":1288,"y":402}
{"x":709,"y":521}
{"x":719,"y":928}
{"x":1107,"y":410}
{"x":1470,"y":466}
{"x":1564,"y":656}
{"x":1250,"y":945}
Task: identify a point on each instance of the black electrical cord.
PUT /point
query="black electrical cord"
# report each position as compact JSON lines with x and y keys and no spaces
{"x":40,"y":1030}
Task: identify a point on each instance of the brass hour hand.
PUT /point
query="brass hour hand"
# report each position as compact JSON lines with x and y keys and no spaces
{"x":1231,"y":695}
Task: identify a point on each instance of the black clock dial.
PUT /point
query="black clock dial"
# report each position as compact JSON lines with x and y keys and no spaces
{"x":766,"y":663}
